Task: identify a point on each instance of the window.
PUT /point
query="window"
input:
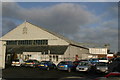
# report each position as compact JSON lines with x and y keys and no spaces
{"x":28,"y":42}
{"x":40,"y":42}
{"x":53,"y":56}
{"x":11,"y":43}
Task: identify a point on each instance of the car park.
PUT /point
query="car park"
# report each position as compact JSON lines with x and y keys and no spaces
{"x":46,"y":65}
{"x":110,"y":76}
{"x":65,"y":65}
{"x":30,"y":63}
{"x":84,"y":66}
{"x":102,"y":67}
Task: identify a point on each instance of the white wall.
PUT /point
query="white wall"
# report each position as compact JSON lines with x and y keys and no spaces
{"x":72,"y":51}
{"x":98,"y":50}
{"x":2,"y":54}
{"x":33,"y":33}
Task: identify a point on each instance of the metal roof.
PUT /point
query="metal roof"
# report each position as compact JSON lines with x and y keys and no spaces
{"x":71,"y":42}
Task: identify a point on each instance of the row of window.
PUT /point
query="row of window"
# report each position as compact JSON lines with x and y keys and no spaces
{"x":28,"y":42}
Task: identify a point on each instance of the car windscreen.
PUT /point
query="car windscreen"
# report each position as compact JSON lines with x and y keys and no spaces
{"x":64,"y":63}
{"x":101,"y":64}
{"x":44,"y":62}
{"x":102,"y":58}
{"x":76,"y":62}
{"x":29,"y":61}
{"x":17,"y":60}
{"x":83,"y":63}
{"x":94,"y":60}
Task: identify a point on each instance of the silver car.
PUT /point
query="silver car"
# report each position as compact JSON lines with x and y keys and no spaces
{"x":84,"y":66}
{"x":102,"y":67}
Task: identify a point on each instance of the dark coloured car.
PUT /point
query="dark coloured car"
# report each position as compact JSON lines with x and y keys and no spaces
{"x":110,"y":76}
{"x":66,"y":65}
{"x":94,"y":60}
{"x":114,"y":65}
{"x":31,"y":63}
{"x":47,"y":65}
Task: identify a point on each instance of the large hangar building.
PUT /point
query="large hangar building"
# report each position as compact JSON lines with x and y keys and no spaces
{"x":28,"y":41}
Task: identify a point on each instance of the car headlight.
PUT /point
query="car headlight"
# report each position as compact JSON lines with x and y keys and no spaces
{"x":86,"y":68}
{"x":98,"y":68}
{"x":46,"y":65}
{"x":66,"y":65}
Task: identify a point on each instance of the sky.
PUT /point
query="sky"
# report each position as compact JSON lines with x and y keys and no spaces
{"x":84,"y":22}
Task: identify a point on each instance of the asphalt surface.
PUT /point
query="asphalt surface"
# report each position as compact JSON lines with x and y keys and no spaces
{"x":23,"y":73}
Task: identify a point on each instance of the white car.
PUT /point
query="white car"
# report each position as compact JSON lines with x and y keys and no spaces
{"x":84,"y":66}
{"x":17,"y":62}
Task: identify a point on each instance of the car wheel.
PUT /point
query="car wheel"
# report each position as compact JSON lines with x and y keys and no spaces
{"x":54,"y":67}
{"x":48,"y":68}
{"x":33,"y":66}
{"x":69,"y":69}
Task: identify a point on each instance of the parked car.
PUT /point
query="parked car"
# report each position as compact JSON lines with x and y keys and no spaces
{"x":65,"y":65}
{"x":99,"y":60}
{"x":94,"y":60}
{"x":47,"y":65}
{"x":114,"y":65}
{"x":77,"y":62}
{"x":84,"y":66}
{"x":102,"y":67}
{"x":16,"y":62}
{"x":31,"y":63}
{"x":110,"y":76}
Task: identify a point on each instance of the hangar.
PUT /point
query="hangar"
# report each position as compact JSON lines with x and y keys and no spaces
{"x":28,"y":41}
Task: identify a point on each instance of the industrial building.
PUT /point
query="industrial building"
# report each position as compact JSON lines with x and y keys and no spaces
{"x":28,"y":41}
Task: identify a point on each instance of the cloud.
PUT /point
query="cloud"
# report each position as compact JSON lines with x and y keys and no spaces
{"x":7,"y":25}
{"x":107,"y":32}
{"x":111,"y":12}
{"x":70,"y":19}
{"x":60,"y":17}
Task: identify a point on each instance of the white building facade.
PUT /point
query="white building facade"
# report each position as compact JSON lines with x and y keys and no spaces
{"x":28,"y":41}
{"x":98,"y":52}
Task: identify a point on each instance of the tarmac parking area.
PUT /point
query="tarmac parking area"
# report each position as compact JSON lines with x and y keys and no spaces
{"x":24,"y":73}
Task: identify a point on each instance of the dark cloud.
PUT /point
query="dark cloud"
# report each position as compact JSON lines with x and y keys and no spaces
{"x":7,"y":25}
{"x":71,"y":20}
{"x":107,"y":32}
{"x":61,"y":17}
